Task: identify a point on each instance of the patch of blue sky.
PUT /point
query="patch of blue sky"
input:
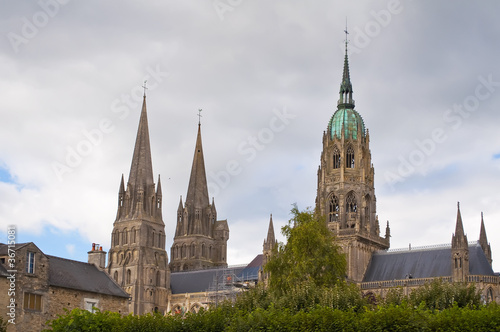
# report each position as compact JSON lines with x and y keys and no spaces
{"x":55,"y":242}
{"x":5,"y":175}
{"x":496,"y":156}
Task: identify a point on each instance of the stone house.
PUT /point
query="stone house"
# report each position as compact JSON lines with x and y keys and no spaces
{"x":43,"y":286}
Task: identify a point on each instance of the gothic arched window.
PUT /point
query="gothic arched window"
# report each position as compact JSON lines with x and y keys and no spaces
{"x":489,"y":295}
{"x":129,"y":274}
{"x":336,"y":158}
{"x":125,"y":236}
{"x":351,"y":203}
{"x":193,"y":250}
{"x":203,"y":250}
{"x":349,"y":157}
{"x":367,"y":208}
{"x":133,"y":237}
{"x":333,"y":212}
{"x":115,"y":276}
{"x":158,"y":278}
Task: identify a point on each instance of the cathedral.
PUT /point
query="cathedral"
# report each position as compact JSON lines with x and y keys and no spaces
{"x":139,"y":278}
{"x":198,"y":273}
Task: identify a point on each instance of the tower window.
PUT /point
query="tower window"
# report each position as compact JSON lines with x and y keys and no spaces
{"x":333,"y":213}
{"x":129,"y":275}
{"x":125,"y":237}
{"x":349,"y":158}
{"x":351,"y":204}
{"x":336,"y":158}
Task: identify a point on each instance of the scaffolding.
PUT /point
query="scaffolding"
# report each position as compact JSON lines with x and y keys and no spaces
{"x":225,"y":285}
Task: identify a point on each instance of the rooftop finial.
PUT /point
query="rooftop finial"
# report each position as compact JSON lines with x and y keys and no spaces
{"x":346,"y":33}
{"x":199,"y":116}
{"x":145,"y":87}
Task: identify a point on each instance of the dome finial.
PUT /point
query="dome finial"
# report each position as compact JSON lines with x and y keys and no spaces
{"x":346,"y":33}
{"x":345,"y":100}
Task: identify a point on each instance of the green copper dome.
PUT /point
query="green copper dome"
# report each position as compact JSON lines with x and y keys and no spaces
{"x":350,"y":120}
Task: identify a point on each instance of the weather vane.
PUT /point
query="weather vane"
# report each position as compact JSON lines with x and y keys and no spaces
{"x":145,"y":88}
{"x":199,"y":116}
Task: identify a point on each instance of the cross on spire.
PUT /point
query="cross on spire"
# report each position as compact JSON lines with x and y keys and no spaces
{"x":145,"y":87}
{"x":199,"y":116}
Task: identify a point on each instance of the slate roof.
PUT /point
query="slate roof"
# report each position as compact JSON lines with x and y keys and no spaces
{"x":251,"y":271}
{"x":197,"y":281}
{"x":422,"y":263}
{"x":81,"y":276}
{"x":3,"y":271}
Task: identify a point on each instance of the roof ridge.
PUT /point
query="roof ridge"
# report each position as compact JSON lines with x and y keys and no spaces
{"x":71,"y":260}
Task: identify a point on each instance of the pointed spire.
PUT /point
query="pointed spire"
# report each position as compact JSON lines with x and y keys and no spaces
{"x":180,"y":204}
{"x":122,"y":187}
{"x":482,"y":232}
{"x":270,"y":232}
{"x":459,"y":227}
{"x":197,"y":195}
{"x":141,"y":170}
{"x":483,"y":241}
{"x":459,"y":239}
{"x":346,"y":100}
{"x":158,"y":189}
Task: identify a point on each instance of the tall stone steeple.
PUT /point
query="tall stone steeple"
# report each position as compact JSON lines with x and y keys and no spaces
{"x":483,"y":241}
{"x":268,"y":247}
{"x":459,"y":251}
{"x":200,"y":239}
{"x":346,"y":193}
{"x":137,"y":257}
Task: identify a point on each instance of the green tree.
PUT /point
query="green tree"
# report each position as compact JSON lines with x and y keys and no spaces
{"x":310,"y":255}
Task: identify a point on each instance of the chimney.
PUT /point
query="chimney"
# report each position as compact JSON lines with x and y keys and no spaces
{"x":97,"y":256}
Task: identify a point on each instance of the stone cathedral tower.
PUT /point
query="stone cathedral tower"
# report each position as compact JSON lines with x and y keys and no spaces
{"x":200,"y":240}
{"x":137,"y":257}
{"x":346,"y":193}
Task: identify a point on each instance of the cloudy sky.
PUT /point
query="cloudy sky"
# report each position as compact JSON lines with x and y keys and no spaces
{"x":426,"y":80}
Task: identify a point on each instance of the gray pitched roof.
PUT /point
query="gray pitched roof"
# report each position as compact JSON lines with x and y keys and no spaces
{"x":3,"y":271}
{"x":422,"y":263}
{"x":81,"y":276}
{"x":251,"y":271}
{"x":197,"y":281}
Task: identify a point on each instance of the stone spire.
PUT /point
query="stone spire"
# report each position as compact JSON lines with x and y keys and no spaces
{"x":459,"y":251}
{"x":459,"y":238}
{"x":270,"y":234}
{"x":141,"y":170}
{"x":483,"y":241}
{"x":197,"y":194}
